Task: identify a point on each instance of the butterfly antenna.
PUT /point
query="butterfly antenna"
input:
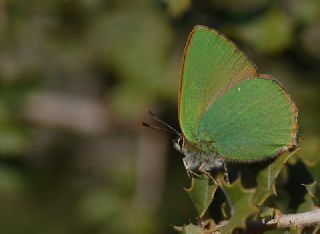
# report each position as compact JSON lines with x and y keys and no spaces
{"x":158,"y":128}
{"x":164,"y":123}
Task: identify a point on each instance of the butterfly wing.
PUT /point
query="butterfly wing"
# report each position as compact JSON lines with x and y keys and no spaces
{"x":255,"y":119}
{"x":211,"y":66}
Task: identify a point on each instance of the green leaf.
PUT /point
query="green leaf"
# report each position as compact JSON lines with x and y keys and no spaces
{"x":239,"y":7}
{"x":314,"y":191}
{"x":282,"y":199}
{"x":316,"y":229}
{"x":307,"y":205}
{"x":189,"y":229}
{"x":267,"y":213}
{"x":315,"y":171}
{"x":177,"y":8}
{"x":201,"y":193}
{"x":276,"y":232}
{"x":305,"y":12}
{"x":225,"y":210}
{"x":295,"y":230}
{"x":240,"y":202}
{"x":292,"y":231}
{"x":310,"y":155}
{"x":270,"y":33}
{"x":266,"y":178}
{"x":129,"y":53}
{"x":205,"y":227}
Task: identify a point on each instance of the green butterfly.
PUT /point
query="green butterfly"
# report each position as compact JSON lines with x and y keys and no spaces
{"x":227,"y":111}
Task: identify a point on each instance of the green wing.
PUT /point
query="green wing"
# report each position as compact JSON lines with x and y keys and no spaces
{"x":212,"y":65}
{"x":253,"y":120}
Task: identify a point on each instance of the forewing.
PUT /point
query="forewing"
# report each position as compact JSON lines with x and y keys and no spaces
{"x":255,"y":119}
{"x":212,"y":65}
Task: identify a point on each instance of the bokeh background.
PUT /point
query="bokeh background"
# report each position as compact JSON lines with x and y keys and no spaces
{"x":76,"y":80}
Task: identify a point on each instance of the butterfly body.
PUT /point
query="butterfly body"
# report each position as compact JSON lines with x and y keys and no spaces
{"x":227,"y":111}
{"x":196,"y":159}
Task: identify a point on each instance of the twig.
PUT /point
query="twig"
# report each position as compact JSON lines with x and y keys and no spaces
{"x":300,"y":220}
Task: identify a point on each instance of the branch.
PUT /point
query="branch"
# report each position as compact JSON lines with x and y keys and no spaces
{"x":300,"y":220}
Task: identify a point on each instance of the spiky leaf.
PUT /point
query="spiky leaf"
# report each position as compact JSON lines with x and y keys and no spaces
{"x":295,"y":230}
{"x":306,"y":205}
{"x":266,"y":178}
{"x":240,"y":202}
{"x":204,"y":227}
{"x":189,"y":229}
{"x":310,"y":155}
{"x":316,"y":229}
{"x":201,"y":193}
{"x":314,"y":191}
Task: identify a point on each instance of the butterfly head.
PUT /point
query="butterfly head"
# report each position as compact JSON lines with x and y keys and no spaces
{"x":178,"y":143}
{"x":189,"y":159}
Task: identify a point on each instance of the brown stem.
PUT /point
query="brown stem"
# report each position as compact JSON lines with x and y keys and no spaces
{"x":300,"y":220}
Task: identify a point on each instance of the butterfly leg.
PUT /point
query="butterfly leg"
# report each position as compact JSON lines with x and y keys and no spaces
{"x":226,"y":174}
{"x":192,"y":173}
{"x":204,"y":170}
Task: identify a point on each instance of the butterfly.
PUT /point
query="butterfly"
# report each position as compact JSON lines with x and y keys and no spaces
{"x":228,"y":112}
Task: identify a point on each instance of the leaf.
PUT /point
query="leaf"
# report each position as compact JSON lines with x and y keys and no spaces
{"x":267,"y":177}
{"x":201,"y":193}
{"x":315,"y":171}
{"x":225,"y":210}
{"x":239,"y":7}
{"x":240,"y":202}
{"x":270,"y":33}
{"x":282,"y":199}
{"x":295,"y":230}
{"x":205,"y":227}
{"x":136,"y":64}
{"x":189,"y":229}
{"x":291,"y":231}
{"x":306,"y":205}
{"x":177,"y":8}
{"x":314,"y":191}
{"x":276,"y":232}
{"x":305,"y":12}
{"x":267,"y":213}
{"x":316,"y":229}
{"x":310,"y":155}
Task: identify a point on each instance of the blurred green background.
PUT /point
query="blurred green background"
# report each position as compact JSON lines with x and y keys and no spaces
{"x":76,"y":80}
